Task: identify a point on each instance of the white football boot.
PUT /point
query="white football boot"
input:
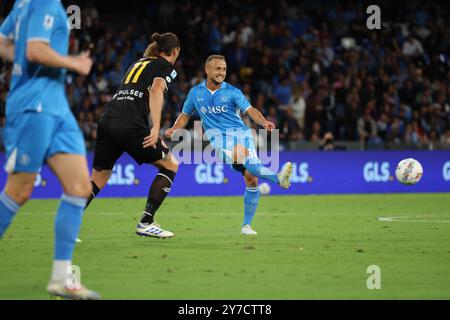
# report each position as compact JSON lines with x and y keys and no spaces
{"x":78,"y":240}
{"x":152,"y":230}
{"x":284,"y":176}
{"x":247,"y":230}
{"x":61,"y":289}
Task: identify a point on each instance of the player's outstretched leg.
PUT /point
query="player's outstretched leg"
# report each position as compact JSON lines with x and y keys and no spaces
{"x":256,"y":168}
{"x":251,"y":200}
{"x":159,"y":189}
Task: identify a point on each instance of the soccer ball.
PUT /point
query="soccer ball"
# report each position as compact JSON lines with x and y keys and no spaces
{"x":264,"y":188}
{"x":409,"y":171}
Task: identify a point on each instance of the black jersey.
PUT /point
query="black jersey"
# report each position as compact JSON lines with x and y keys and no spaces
{"x":131,"y":101}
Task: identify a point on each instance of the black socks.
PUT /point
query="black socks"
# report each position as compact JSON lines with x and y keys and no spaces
{"x":95,"y":191}
{"x":158,"y":192}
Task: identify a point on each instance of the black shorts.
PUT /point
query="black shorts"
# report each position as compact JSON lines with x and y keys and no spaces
{"x":117,"y":135}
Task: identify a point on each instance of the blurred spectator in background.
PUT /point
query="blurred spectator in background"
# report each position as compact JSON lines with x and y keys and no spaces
{"x":327,"y":143}
{"x":367,"y":131}
{"x":289,"y":128}
{"x":310,"y":68}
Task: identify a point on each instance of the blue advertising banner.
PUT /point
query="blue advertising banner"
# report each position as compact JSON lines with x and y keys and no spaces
{"x":314,"y":173}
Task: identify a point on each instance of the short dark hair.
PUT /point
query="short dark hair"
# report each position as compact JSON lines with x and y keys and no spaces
{"x":214,"y":56}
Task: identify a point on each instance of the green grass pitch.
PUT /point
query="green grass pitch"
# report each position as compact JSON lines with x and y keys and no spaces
{"x":308,"y":247}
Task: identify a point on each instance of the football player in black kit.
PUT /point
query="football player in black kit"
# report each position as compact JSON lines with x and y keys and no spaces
{"x":133,"y":114}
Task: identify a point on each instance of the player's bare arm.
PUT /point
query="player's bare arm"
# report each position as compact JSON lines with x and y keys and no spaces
{"x":40,"y":52}
{"x":180,"y":123}
{"x":257,"y":116}
{"x":156,"y":104}
{"x":6,"y":49}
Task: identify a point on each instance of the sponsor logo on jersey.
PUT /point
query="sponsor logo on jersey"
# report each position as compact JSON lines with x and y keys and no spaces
{"x":48,"y":22}
{"x":173,"y":74}
{"x":214,"y":109}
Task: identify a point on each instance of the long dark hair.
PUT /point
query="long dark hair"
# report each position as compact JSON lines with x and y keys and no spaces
{"x":165,"y":42}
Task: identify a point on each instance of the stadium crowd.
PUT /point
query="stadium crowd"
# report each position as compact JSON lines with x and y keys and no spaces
{"x":314,"y":69}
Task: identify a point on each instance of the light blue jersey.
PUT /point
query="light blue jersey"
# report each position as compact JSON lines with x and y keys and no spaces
{"x":219,"y":110}
{"x":39,"y":122}
{"x":221,"y":118}
{"x":35,"y":87}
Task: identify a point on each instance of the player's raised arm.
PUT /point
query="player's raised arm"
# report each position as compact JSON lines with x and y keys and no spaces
{"x":245,"y":106}
{"x":183,"y":118}
{"x":180,"y":123}
{"x":257,"y":116}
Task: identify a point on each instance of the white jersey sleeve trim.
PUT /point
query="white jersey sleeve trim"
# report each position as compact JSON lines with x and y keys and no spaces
{"x":39,"y":40}
{"x":247,"y":108}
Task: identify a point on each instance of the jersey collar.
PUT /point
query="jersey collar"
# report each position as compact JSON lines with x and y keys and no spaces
{"x":221,"y":86}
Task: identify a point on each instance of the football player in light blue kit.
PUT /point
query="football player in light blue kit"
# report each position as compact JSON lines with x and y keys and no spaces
{"x":219,"y":105}
{"x":41,"y":128}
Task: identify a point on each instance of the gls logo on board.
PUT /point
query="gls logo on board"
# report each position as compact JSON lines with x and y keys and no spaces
{"x":122,"y":175}
{"x":446,"y":171}
{"x":377,"y":172}
{"x":209,"y":174}
{"x":39,"y":181}
{"x":300,"y":173}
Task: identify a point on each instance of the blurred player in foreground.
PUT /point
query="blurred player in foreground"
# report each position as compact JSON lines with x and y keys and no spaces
{"x":219,"y":104}
{"x":133,"y":114}
{"x":40,"y":128}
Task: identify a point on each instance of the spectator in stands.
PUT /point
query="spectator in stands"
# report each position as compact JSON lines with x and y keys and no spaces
{"x":367,"y":131}
{"x":405,"y":71}
{"x":327,"y":143}
{"x":289,"y":128}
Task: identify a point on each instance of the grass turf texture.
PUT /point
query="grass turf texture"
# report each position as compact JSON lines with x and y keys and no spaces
{"x":308,"y":247}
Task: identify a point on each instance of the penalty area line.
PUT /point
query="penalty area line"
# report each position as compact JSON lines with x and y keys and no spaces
{"x":411,"y":219}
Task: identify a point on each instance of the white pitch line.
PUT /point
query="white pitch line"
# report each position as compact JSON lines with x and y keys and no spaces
{"x":410,"y":219}
{"x":52,"y":213}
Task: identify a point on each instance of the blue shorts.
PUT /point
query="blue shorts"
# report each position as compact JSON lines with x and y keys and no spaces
{"x":224,"y":145}
{"x":31,"y":138}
